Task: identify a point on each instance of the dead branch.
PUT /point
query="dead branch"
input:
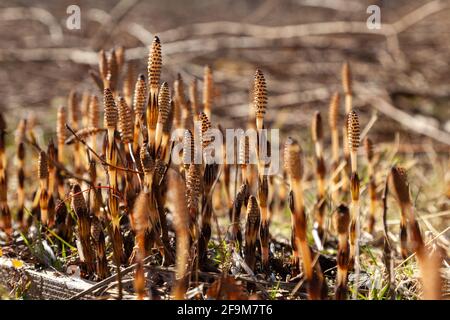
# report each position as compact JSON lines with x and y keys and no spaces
{"x":39,"y":14}
{"x":381,"y":102}
{"x":419,"y":14}
{"x":102,"y":161}
{"x":338,"y":5}
{"x":301,"y":30}
{"x":119,"y":11}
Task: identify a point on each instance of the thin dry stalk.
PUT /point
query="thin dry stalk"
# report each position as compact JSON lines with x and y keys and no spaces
{"x":141,"y":225}
{"x":353,"y":144}
{"x":20,"y":156}
{"x":163,"y":114}
{"x":399,"y":185}
{"x":98,"y":238}
{"x":347,"y":86}
{"x":43,"y":180}
{"x":165,"y":147}
{"x":21,"y":183}
{"x":208,"y":91}
{"x":181,"y":112}
{"x":84,"y":133}
{"x":128,"y":84}
{"x":103,"y":68}
{"x":74,"y":119}
{"x":5,"y":214}
{"x":429,"y":262}
{"x":193,"y":97}
{"x":368,"y":146}
{"x":110,"y":123}
{"x":317,"y":138}
{"x":94,"y":118}
{"x":148,"y":166}
{"x":244,"y":158}
{"x":79,"y":207}
{"x":235,"y":215}
{"x":209,"y":178}
{"x":61,"y":135}
{"x":181,"y":224}
{"x":263,"y":194}
{"x":429,"y":265}
{"x":251,"y":232}
{"x":51,"y":153}
{"x":333,"y":117}
{"x":193,"y":190}
{"x":342,"y":222}
{"x":113,"y":71}
{"x":293,"y":164}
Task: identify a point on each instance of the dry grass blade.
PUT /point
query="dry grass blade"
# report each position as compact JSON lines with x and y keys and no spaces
{"x":84,"y":133}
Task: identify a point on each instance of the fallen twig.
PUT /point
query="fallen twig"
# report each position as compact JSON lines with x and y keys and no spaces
{"x":386,"y":107}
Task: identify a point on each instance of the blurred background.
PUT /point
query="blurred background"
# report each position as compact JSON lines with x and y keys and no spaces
{"x":400,"y":71}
